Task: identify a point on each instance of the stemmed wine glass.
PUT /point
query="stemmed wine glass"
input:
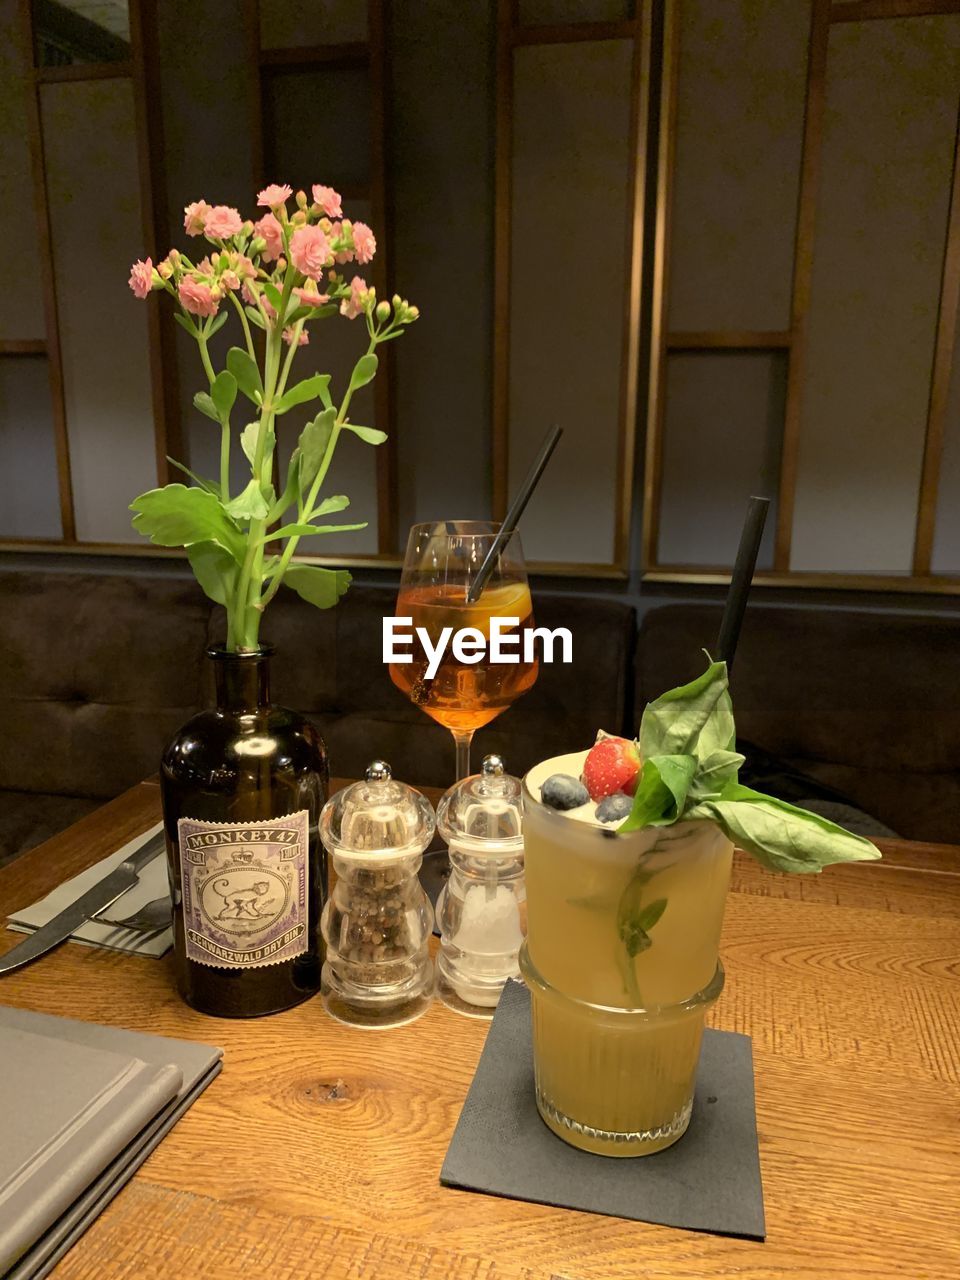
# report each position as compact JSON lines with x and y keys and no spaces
{"x":442,"y":560}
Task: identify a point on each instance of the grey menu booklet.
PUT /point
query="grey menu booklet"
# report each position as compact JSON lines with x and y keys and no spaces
{"x":83,"y":1107}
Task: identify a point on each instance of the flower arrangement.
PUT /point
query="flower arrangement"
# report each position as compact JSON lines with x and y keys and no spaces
{"x":279,"y":274}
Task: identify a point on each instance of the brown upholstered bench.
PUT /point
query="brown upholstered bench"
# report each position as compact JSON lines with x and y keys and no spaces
{"x":98,"y":670}
{"x":867,"y":703}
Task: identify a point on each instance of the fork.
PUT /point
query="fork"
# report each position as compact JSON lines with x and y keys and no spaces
{"x":152,"y":918}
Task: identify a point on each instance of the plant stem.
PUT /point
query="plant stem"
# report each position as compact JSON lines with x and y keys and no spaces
{"x":248,"y":337}
{"x":225,"y":461}
{"x":205,"y":357}
{"x":321,"y":475}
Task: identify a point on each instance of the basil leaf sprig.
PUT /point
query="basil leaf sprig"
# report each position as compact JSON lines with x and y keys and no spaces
{"x":690,"y":772}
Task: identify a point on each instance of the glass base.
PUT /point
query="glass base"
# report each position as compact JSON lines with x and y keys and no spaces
{"x":605,"y":1142}
{"x":375,"y":1017}
{"x":463,"y":998}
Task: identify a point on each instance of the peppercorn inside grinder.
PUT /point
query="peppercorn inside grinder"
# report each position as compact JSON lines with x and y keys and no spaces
{"x":377,"y":921}
{"x":481,"y":910}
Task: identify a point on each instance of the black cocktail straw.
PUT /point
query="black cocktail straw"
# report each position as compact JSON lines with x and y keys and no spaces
{"x":736,"y":604}
{"x":512,"y":518}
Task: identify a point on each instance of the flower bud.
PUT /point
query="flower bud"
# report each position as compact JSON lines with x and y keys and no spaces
{"x":247,"y":229}
{"x":258,"y":245}
{"x":299,"y":218}
{"x":397,"y":302}
{"x":165,"y":269}
{"x":302,"y":200}
{"x":281,"y":264}
{"x":173,"y":257}
{"x":413,"y":312}
{"x":383,"y":310}
{"x":325,"y":225}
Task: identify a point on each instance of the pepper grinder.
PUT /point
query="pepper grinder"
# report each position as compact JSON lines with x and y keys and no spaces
{"x":482,"y":909}
{"x":377,"y":921}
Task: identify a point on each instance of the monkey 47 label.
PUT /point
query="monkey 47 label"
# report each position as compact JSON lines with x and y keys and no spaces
{"x":245,"y":890}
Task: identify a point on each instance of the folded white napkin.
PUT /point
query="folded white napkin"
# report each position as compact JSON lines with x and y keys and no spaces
{"x":153,"y":884}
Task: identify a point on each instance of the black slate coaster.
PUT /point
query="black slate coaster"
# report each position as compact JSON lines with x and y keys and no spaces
{"x":708,"y":1181}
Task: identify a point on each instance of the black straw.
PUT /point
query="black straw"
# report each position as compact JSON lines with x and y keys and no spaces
{"x":746,"y":561}
{"x":512,"y":518}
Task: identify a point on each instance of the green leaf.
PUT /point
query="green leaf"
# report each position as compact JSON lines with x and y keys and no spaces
{"x":176,"y":516}
{"x":290,"y":489}
{"x":223,"y":393}
{"x":694,"y":719}
{"x":274,"y":295}
{"x":215,"y":570}
{"x":661,"y":792}
{"x":651,"y":913}
{"x":248,"y":442}
{"x":245,"y":370}
{"x":314,"y":439}
{"x":365,"y":371}
{"x":186,"y":323}
{"x":321,"y":587}
{"x":204,"y":403}
{"x":248,"y":505}
{"x":217,"y":324}
{"x":209,"y":485}
{"x":635,"y":922}
{"x":714,"y":772}
{"x":308,"y":389}
{"x":255,"y":316}
{"x":370,"y":434}
{"x":781,"y":836}
{"x":337,"y":502}
{"x":305,"y":530}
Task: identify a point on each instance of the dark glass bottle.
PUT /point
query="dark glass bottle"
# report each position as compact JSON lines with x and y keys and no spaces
{"x":242,"y":787}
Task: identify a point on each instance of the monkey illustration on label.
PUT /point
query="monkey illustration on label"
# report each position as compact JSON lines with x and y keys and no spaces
{"x":244,"y":890}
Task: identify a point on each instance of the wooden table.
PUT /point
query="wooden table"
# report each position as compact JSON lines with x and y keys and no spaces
{"x":317,"y":1151}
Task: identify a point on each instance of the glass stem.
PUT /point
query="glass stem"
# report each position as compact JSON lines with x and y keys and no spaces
{"x":463,"y":738}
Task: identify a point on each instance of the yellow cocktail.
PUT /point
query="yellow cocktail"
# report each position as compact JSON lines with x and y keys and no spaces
{"x":621,"y":959}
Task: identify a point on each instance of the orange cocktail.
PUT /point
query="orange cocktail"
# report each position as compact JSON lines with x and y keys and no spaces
{"x":461,"y":696}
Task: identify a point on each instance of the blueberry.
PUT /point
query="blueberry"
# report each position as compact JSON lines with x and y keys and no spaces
{"x":614,"y":808}
{"x":563,"y":791}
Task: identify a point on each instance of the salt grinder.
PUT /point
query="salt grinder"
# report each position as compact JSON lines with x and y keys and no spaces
{"x":481,"y":911}
{"x":377,"y":921}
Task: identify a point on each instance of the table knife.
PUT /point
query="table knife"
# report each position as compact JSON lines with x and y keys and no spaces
{"x":106,"y":891}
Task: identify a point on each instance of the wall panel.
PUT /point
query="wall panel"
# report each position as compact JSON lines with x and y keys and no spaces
{"x":97,"y":231}
{"x":571,"y":129}
{"x":30,"y":505}
{"x":289,"y":24}
{"x":739,"y":129}
{"x":293,"y":153}
{"x":442,"y":152}
{"x":21,"y":310}
{"x":549,"y":12}
{"x":722,"y":431}
{"x":946,"y":538}
{"x":890,"y":123}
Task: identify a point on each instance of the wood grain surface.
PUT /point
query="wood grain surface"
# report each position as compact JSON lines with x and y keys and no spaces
{"x":317,"y":1152}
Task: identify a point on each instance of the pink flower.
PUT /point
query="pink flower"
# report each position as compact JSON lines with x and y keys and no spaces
{"x":141,"y":278}
{"x":195,"y":217}
{"x":328,"y":200}
{"x":243,"y":266}
{"x":269,"y":229}
{"x":222,"y":222}
{"x":230,"y":280}
{"x":268,"y":308}
{"x":364,"y":242}
{"x":197,"y":297}
{"x":274,"y":194}
{"x":309,"y":297}
{"x":353,"y":306}
{"x":310,"y":251}
{"x":301,"y":341}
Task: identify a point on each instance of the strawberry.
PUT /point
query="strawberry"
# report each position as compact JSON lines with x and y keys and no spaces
{"x":612,"y":765}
